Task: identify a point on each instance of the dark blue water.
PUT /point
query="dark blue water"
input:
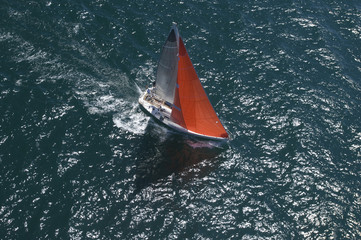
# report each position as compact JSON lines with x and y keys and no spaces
{"x":80,"y":160}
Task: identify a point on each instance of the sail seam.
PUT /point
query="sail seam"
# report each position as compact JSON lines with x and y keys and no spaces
{"x":185,"y":67}
{"x":165,"y":66}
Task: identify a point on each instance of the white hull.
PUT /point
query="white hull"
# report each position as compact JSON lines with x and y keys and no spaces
{"x":158,"y":109}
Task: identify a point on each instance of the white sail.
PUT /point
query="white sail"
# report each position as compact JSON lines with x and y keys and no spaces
{"x":167,"y":67}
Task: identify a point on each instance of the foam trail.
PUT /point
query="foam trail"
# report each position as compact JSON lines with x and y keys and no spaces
{"x":131,"y":119}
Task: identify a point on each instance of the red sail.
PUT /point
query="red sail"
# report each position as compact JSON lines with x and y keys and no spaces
{"x":192,"y":109}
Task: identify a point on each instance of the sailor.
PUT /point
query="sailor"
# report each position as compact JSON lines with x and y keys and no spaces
{"x":155,"y":110}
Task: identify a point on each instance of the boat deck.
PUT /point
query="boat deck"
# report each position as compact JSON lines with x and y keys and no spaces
{"x":154,"y":101}
{"x":162,"y":110}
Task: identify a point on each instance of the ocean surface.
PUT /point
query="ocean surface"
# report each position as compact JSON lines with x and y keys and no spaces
{"x":80,"y":160}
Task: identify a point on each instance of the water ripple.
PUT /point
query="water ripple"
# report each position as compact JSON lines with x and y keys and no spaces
{"x":80,"y":160}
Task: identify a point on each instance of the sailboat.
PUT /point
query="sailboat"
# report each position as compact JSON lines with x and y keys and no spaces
{"x":177,"y":98}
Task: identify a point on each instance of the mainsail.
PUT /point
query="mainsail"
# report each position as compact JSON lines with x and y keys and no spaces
{"x":167,"y":67}
{"x":191,"y":106}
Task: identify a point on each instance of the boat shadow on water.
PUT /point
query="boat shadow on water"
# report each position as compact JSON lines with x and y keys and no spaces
{"x":163,"y":152}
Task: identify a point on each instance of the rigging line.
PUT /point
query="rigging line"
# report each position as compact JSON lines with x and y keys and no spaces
{"x":169,"y":47}
{"x":166,"y":66}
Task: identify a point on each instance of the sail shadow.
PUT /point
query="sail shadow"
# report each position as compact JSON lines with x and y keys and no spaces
{"x":163,"y":152}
